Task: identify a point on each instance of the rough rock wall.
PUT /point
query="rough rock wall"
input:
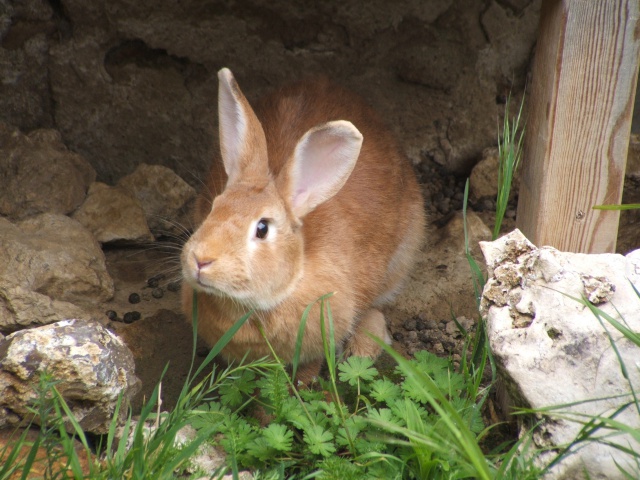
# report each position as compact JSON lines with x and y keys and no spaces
{"x":133,"y":81}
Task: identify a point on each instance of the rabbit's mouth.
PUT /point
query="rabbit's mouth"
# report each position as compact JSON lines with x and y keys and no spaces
{"x":237,"y":294}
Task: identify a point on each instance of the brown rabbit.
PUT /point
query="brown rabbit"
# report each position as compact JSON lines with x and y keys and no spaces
{"x":311,"y":205}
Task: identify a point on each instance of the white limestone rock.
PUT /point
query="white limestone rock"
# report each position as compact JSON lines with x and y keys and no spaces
{"x":552,"y":350}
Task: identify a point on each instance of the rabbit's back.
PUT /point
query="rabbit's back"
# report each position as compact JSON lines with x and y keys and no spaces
{"x":373,"y":226}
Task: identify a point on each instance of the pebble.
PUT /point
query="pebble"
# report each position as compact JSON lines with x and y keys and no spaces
{"x":154,"y":281}
{"x":451,"y":328}
{"x":431,"y":325}
{"x":173,"y":286}
{"x":412,"y":336}
{"x":448,"y":345}
{"x":421,"y":325}
{"x":410,"y":324}
{"x":157,"y":293}
{"x":444,"y":206}
{"x":134,"y":298}
{"x":488,"y":204}
{"x":425,"y":336}
{"x":112,"y":315}
{"x":467,"y":323}
{"x":131,"y":317}
{"x":398,"y":336}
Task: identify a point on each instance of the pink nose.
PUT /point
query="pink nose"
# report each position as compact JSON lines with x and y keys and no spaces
{"x":202,"y":264}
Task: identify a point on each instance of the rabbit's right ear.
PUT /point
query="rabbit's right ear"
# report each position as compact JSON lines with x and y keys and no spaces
{"x":242,"y":142}
{"x":322,"y":162}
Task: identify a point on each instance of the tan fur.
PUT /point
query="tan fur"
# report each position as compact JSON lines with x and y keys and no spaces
{"x":359,"y":244}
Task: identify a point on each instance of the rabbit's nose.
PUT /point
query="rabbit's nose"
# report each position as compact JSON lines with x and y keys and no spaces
{"x":200,"y":264}
{"x":201,"y":260}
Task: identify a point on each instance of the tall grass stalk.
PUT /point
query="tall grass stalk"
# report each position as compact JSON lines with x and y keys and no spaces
{"x":509,"y":154}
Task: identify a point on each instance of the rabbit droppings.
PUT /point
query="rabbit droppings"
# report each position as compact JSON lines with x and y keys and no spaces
{"x":308,"y":203}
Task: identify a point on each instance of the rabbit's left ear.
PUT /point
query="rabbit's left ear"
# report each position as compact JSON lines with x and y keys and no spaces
{"x":242,"y":142}
{"x":322,"y":162}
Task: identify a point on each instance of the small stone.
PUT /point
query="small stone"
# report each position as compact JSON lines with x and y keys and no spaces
{"x":173,"y":286}
{"x":154,"y":281}
{"x":448,"y":345}
{"x":157,"y":293}
{"x":134,"y":298}
{"x":410,"y":324}
{"x":444,"y":206}
{"x":112,"y":315}
{"x":467,"y":323}
{"x":487,"y":204}
{"x":412,"y":336}
{"x":131,"y":317}
{"x":438,"y":349}
{"x":431,"y":325}
{"x":451,"y":328}
{"x":424,"y":336}
{"x":398,"y":336}
{"x":421,"y":325}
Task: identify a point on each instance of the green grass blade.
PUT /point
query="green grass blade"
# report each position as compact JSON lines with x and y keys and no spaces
{"x":221,"y":343}
{"x":627,"y":206}
{"x":300,"y":336}
{"x":31,"y":457}
{"x":509,"y":154}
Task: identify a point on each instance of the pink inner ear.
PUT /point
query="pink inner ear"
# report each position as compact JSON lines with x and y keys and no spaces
{"x":300,"y":198}
{"x":323,"y":161}
{"x":233,"y":125}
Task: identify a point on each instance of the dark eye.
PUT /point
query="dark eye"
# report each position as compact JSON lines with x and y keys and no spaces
{"x":262,"y":229}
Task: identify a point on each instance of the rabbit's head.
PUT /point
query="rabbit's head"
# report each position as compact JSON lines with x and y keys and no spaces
{"x":250,"y":248}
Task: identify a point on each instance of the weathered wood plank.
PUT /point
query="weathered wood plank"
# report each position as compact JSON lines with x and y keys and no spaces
{"x":580,"y":106}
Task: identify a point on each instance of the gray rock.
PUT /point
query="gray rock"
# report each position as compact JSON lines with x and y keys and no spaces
{"x":21,"y":308}
{"x":112,"y":214}
{"x":164,"y":197}
{"x":92,"y":365}
{"x":25,"y":28}
{"x":483,"y":181}
{"x":145,"y":104}
{"x":56,"y":256}
{"x":436,"y":62}
{"x":552,"y":350}
{"x":38,"y":174}
{"x":511,"y":40}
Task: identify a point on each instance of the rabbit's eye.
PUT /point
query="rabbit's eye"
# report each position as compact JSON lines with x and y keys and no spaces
{"x":262,"y":229}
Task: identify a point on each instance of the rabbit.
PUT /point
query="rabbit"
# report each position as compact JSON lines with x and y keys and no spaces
{"x":315,"y":197}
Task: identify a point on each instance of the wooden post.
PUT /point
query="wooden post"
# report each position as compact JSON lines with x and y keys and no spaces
{"x":577,"y":134}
